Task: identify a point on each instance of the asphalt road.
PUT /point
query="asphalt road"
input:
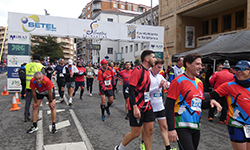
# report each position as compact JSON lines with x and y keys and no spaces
{"x":80,"y":126}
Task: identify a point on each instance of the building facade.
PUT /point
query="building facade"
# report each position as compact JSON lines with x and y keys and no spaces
{"x":68,"y":48}
{"x":5,"y":48}
{"x":190,"y":24}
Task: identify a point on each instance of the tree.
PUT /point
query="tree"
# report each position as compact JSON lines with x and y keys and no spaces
{"x":137,"y":62}
{"x":47,"y":46}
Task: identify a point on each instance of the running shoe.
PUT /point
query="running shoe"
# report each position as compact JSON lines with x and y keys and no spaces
{"x":126,"y":117}
{"x":103,"y":117}
{"x":108,"y":112}
{"x":90,"y":94}
{"x":143,"y":146}
{"x":53,"y":130}
{"x":80,"y":97}
{"x":210,"y":119}
{"x":116,"y":147}
{"x":32,"y":129}
{"x":61,"y":100}
{"x":70,"y":102}
{"x":222,"y":122}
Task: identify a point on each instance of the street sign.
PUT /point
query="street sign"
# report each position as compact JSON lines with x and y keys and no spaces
{"x":93,"y":46}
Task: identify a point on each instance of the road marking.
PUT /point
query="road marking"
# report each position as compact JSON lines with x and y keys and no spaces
{"x":39,"y":133}
{"x":57,"y":110}
{"x":66,"y":146}
{"x":81,"y":131}
{"x":57,"y":95}
{"x":60,"y":125}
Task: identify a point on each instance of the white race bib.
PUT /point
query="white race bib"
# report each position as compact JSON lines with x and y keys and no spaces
{"x":247,"y":130}
{"x":157,"y":95}
{"x":89,"y":73}
{"x":107,"y":82}
{"x":146,"y":96}
{"x":61,"y":75}
{"x":196,"y":104}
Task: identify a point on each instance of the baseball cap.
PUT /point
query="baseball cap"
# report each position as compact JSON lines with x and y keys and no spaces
{"x":104,"y":61}
{"x":243,"y":64}
{"x":70,"y":62}
{"x":226,"y":65}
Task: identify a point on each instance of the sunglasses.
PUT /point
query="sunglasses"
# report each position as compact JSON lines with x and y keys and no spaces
{"x":241,"y":69}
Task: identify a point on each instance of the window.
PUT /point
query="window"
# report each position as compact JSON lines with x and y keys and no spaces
{"x":122,"y":7}
{"x":142,"y":46}
{"x":135,"y":8}
{"x":110,"y":50}
{"x":110,"y":19}
{"x":215,"y":25}
{"x":136,"y":47}
{"x":131,"y":48}
{"x":88,"y":15}
{"x":115,"y":5}
{"x":126,"y":49}
{"x":122,"y":50}
{"x":227,"y":22}
{"x":239,"y":19}
{"x":141,"y":10}
{"x":88,"y":7}
{"x":205,"y":27}
{"x":129,"y":7}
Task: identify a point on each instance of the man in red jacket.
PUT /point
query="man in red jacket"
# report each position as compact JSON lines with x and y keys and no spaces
{"x":216,"y":80}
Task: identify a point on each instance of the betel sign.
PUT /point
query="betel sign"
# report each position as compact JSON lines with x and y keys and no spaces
{"x":18,"y":49}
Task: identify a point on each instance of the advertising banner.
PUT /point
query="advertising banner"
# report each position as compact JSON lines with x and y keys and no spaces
{"x":18,"y":38}
{"x":190,"y":37}
{"x":17,"y":61}
{"x":13,"y":72}
{"x":18,"y":49}
{"x":14,"y":84}
{"x":156,"y":46}
{"x":82,"y":28}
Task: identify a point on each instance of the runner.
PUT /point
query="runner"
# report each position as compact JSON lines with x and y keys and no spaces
{"x":90,"y":77}
{"x":157,"y":82}
{"x":105,"y":78}
{"x":113,"y":83}
{"x":80,"y":79}
{"x":42,"y":86}
{"x":60,"y":80}
{"x":125,"y":75}
{"x":184,"y":102}
{"x":177,"y":70}
{"x":237,"y":94}
{"x":70,"y":72}
{"x":140,"y":109}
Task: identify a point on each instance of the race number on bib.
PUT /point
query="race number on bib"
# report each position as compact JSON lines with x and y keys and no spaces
{"x":196,"y":104}
{"x":247,"y":131}
{"x":61,"y":75}
{"x":89,"y":73}
{"x":107,"y":82}
{"x":157,"y":95}
{"x":146,"y":96}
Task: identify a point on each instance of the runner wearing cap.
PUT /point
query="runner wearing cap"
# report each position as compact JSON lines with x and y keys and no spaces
{"x":105,"y":78}
{"x":237,"y":93}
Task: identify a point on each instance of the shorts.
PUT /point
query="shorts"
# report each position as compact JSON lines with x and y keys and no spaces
{"x":70,"y":84}
{"x":60,"y":82}
{"x":108,"y":93}
{"x":147,"y":116}
{"x":237,"y":135}
{"x":41,"y":96}
{"x":80,"y":83}
{"x":160,"y":114}
{"x":125,"y":94}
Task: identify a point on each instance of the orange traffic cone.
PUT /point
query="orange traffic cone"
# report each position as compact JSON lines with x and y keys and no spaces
{"x":14,"y":105}
{"x":5,"y":91}
{"x":17,"y":99}
{"x":120,"y":82}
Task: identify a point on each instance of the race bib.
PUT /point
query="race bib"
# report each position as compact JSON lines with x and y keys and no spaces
{"x":247,"y":130}
{"x":157,"y":95}
{"x":146,"y":96}
{"x":196,"y":104}
{"x":107,"y":82}
{"x":89,"y":73}
{"x":61,"y":75}
{"x":49,"y":71}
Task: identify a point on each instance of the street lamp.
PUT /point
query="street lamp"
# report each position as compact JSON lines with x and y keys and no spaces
{"x":151,"y":11}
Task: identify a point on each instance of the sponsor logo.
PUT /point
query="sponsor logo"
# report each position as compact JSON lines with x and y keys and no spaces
{"x":158,"y":47}
{"x":18,"y":37}
{"x":33,"y":22}
{"x":15,"y":83}
{"x":132,"y":31}
{"x":13,"y":61}
{"x":93,"y":32}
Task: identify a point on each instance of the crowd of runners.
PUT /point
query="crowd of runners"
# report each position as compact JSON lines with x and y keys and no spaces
{"x":189,"y":90}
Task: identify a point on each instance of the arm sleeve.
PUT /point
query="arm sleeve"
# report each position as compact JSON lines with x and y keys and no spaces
{"x":100,"y":79}
{"x":169,"y":107}
{"x":132,"y":94}
{"x":171,"y":74}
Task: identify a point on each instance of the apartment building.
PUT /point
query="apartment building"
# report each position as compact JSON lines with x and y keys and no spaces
{"x":190,"y":24}
{"x":68,"y":48}
{"x":5,"y":49}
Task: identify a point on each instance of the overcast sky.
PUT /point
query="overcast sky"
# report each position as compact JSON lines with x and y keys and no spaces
{"x":61,"y":8}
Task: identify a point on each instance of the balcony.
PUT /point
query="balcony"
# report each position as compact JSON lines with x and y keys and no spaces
{"x":66,"y":51}
{"x":96,"y":7}
{"x":96,"y":1}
